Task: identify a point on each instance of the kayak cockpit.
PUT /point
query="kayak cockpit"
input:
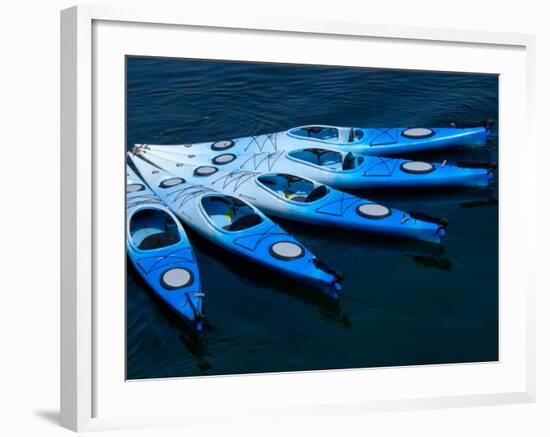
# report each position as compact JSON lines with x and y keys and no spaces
{"x":230,"y":213}
{"x":329,"y":134}
{"x":329,"y":159}
{"x":153,"y":229}
{"x":292,"y":187}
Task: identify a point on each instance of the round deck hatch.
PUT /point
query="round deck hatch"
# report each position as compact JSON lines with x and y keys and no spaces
{"x":226,"y":158}
{"x":132,"y":188}
{"x":286,"y":250}
{"x":417,"y":167}
{"x":418,"y":132}
{"x":172,"y":182}
{"x":222,"y":145}
{"x":205,"y":170}
{"x":176,"y":278}
{"x":373,"y":211}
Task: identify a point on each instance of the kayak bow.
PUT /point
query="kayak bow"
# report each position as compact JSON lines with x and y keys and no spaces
{"x":370,"y":141}
{"x":161,"y":253}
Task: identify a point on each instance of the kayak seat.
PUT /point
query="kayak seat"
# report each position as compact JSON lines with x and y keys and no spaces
{"x":321,"y":157}
{"x":316,"y":193}
{"x":330,"y":159}
{"x":224,"y":211}
{"x":349,"y":162}
{"x":288,"y":186}
{"x":311,"y":155}
{"x":244,"y":222}
{"x":318,"y":132}
{"x":159,"y":240}
{"x":153,"y":229}
{"x":220,"y":200}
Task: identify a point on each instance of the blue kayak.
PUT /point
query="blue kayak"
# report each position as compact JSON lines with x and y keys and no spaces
{"x":238,"y":227}
{"x":342,"y":169}
{"x":161,"y":253}
{"x":294,"y":197}
{"x":369,"y":141}
{"x":390,"y":141}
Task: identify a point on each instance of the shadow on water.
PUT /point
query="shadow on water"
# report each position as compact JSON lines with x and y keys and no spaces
{"x":451,"y":156}
{"x":427,"y":199}
{"x":429,"y":195}
{"x":256,"y":276}
{"x":422,"y":253}
{"x":492,"y":202}
{"x":430,"y":262}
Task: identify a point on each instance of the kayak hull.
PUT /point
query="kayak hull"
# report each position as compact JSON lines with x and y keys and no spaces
{"x":171,"y":272}
{"x":372,"y":141}
{"x":342,"y":210}
{"x":371,"y":172}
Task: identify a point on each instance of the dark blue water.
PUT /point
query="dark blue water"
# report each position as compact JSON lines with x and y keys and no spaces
{"x":403,"y":303}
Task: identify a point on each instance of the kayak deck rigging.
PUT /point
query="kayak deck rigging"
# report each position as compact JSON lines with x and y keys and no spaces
{"x":143,"y":199}
{"x":269,"y":140}
{"x":235,"y":177}
{"x":259,"y":158}
{"x":185,"y":194}
{"x":151,"y":263}
{"x":253,"y":241}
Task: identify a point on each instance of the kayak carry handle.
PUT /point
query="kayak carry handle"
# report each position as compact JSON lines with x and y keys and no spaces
{"x":490,"y":166}
{"x":441,"y":222}
{"x":316,"y":193}
{"x":198,"y":316}
{"x":338,"y":277}
{"x":351,"y":136}
{"x":487,"y":124}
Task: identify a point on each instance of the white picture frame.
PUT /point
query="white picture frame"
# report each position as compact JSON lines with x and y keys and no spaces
{"x":84,"y":384}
